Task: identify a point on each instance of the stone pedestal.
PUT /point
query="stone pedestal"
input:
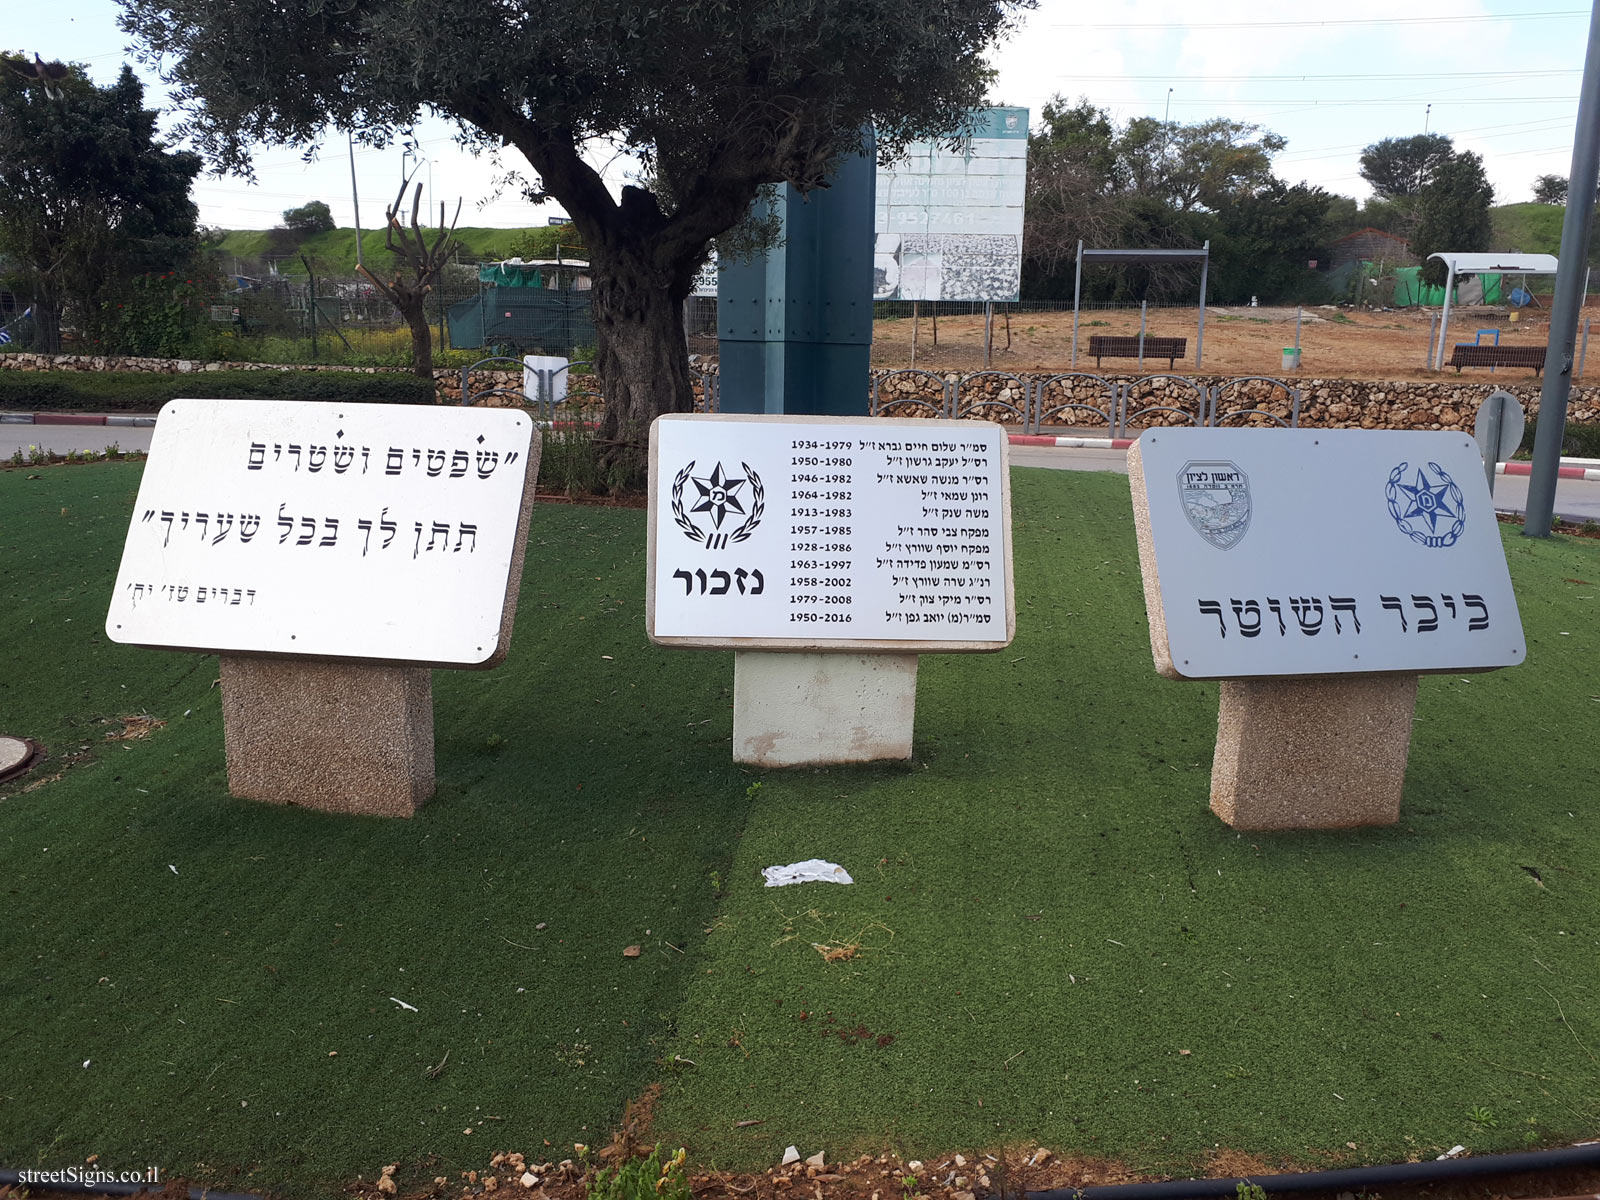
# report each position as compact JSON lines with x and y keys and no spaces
{"x":341,"y":737}
{"x":1322,"y":753}
{"x":793,"y":710}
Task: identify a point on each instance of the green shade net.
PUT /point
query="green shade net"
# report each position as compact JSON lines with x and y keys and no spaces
{"x":525,"y":317}
{"x":509,"y":275}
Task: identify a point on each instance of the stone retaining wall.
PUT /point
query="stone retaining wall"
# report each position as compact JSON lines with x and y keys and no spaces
{"x":1324,"y":403}
{"x":1450,"y":403}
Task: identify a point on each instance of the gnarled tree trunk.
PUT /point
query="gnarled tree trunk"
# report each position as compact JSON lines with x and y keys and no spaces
{"x":642,"y":361}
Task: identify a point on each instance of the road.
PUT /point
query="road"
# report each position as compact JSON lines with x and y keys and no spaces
{"x":1576,"y":499}
{"x":62,"y":438}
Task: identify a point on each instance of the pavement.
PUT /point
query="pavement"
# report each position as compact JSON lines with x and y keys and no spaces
{"x":1577,"y":485}
{"x":1571,"y":468}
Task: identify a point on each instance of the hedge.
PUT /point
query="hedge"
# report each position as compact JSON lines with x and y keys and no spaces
{"x":1580,"y":441}
{"x":140,"y":392}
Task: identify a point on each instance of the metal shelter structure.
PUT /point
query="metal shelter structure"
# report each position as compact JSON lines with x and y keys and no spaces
{"x":1479,"y":264}
{"x":1147,"y":258}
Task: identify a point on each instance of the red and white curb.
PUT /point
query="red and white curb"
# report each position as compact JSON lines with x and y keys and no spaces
{"x":1571,"y":468}
{"x":1565,"y":471}
{"x":1077,"y":443}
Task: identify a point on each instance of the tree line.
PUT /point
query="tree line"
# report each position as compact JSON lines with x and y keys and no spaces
{"x":1156,"y":184}
{"x":718,"y":102}
{"x":94,"y":210}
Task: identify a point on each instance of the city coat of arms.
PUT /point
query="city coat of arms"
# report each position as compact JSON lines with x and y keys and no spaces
{"x":1216,"y":499}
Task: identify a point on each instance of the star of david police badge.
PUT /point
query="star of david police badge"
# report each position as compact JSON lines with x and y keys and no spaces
{"x":1216,"y":499}
{"x":717,"y":508}
{"x":1429,"y":507}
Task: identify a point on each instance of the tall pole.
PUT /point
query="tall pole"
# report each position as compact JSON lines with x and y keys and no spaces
{"x":1077,"y":292}
{"x":1444,"y":312}
{"x":1567,"y":303}
{"x":355,"y":202}
{"x":1205,"y":267}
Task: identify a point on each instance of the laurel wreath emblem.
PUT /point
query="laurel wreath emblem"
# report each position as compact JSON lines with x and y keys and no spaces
{"x":680,"y":515}
{"x":1419,"y":535}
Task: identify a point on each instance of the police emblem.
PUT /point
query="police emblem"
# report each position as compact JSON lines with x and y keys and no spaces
{"x":715,"y":495}
{"x":1430,"y":510}
{"x":1216,"y":499}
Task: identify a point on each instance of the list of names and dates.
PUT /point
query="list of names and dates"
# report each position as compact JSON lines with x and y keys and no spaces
{"x":862,"y":531}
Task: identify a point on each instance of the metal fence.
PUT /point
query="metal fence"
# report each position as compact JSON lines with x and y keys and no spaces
{"x":1079,"y":399}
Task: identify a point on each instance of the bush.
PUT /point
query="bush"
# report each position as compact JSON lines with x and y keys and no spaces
{"x":569,"y":462}
{"x":1579,"y":441}
{"x":270,"y":342}
{"x":133,"y":391}
{"x":156,"y":315}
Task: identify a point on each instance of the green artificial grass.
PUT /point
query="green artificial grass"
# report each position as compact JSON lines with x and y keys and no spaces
{"x":236,"y":1011}
{"x":1060,"y":943}
{"x":1045,"y":917}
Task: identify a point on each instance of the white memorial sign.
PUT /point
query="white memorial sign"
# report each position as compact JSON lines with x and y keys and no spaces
{"x":829,"y":533}
{"x":347,"y":531}
{"x":949,"y":220}
{"x":1314,"y":551}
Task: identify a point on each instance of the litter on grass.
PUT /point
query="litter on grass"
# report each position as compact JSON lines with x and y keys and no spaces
{"x":812,"y":870}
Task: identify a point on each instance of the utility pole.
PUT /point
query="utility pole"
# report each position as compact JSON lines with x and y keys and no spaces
{"x":355,"y":203}
{"x":1568,"y":300}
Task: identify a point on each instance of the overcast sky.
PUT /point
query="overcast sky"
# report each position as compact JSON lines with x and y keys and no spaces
{"x":1502,"y":79}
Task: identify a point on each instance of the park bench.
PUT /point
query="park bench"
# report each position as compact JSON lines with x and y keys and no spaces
{"x":1107,"y":346}
{"x":1468,"y":355}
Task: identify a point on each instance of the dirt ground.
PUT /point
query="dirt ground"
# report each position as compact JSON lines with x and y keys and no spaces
{"x":1334,"y":342}
{"x":1008,"y":1174}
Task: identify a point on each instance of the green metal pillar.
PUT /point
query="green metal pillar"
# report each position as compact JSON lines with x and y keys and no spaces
{"x":795,"y":325}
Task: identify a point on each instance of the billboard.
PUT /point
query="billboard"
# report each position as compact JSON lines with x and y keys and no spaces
{"x":949,"y":221}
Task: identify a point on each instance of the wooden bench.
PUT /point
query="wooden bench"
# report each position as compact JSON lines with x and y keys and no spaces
{"x":1107,"y":346}
{"x":1467,"y":355}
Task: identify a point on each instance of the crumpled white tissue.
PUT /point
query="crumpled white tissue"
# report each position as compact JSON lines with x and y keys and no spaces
{"x":813,"y":870}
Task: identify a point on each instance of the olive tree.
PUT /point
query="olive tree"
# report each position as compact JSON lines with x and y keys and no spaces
{"x":717,"y":98}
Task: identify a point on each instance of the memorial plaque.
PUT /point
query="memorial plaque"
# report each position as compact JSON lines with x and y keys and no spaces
{"x":826,"y":533}
{"x":948,"y":217}
{"x":1284,"y":552}
{"x":337,"y":531}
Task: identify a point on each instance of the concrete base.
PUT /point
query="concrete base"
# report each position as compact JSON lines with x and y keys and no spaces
{"x":1323,"y":753}
{"x":340,"y":737}
{"x":793,"y":710}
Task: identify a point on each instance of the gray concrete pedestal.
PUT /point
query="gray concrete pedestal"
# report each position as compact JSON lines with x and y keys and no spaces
{"x":1321,"y":753}
{"x":793,"y":710}
{"x":342,"y":737}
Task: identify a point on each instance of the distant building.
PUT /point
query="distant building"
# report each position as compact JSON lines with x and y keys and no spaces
{"x":1373,"y":245}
